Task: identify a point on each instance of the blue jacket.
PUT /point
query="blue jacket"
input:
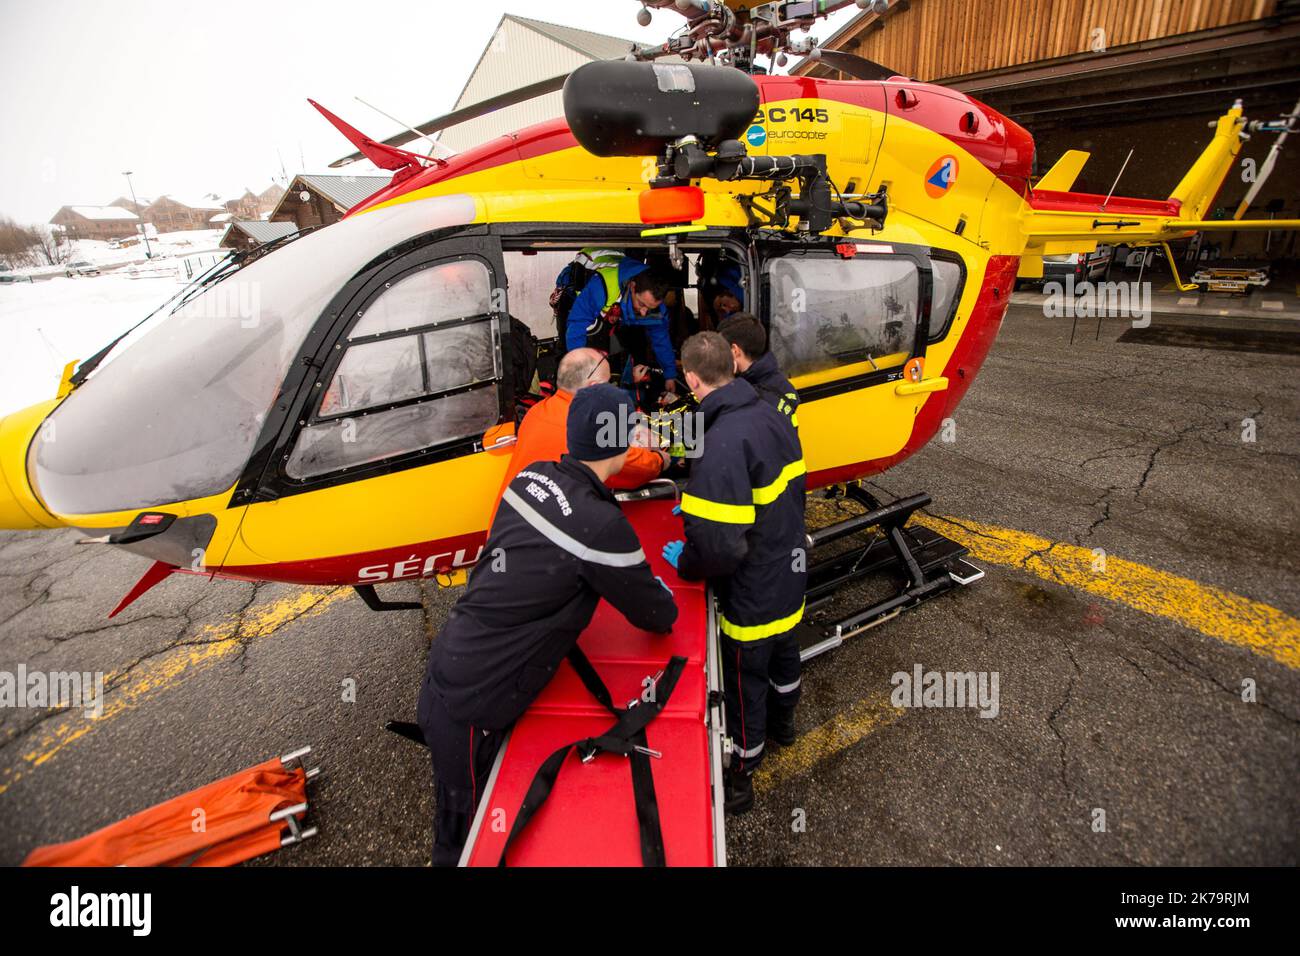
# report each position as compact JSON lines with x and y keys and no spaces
{"x":592,"y":302}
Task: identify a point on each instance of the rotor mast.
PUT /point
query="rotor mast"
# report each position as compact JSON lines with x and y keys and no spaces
{"x":716,"y":31}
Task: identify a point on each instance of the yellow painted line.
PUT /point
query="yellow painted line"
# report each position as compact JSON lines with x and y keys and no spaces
{"x":1212,"y":611}
{"x":840,"y":732}
{"x":214,"y":643}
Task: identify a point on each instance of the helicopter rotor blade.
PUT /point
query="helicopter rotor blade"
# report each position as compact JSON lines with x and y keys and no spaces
{"x":467,"y":113}
{"x":858,"y":67}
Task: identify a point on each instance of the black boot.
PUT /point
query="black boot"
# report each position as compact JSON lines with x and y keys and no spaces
{"x":738,"y":790}
{"x":780,"y":727}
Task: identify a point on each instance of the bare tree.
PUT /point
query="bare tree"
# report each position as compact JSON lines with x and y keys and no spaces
{"x":32,"y":245}
{"x":50,"y":244}
{"x":15,"y":244}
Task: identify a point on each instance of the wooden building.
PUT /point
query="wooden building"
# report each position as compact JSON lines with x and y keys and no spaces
{"x":251,"y":234}
{"x":244,"y":206}
{"x":1107,"y":76}
{"x":96,"y":222}
{"x":168,"y":213}
{"x":268,"y":199}
{"x":319,"y":200}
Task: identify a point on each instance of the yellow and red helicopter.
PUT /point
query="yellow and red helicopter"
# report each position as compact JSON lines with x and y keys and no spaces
{"x":338,"y":409}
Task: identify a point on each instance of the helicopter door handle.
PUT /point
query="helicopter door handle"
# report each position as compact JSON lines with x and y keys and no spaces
{"x":922,"y":387}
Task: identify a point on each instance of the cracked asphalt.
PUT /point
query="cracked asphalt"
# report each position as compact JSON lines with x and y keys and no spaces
{"x":1134,"y":449}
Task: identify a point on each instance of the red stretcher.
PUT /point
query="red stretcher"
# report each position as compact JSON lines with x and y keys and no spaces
{"x":591,"y":816}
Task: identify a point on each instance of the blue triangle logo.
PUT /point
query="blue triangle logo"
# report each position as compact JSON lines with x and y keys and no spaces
{"x":940,"y":177}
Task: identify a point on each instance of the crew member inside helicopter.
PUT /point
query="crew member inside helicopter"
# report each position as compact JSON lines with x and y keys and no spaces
{"x":624,"y":298}
{"x":721,"y":290}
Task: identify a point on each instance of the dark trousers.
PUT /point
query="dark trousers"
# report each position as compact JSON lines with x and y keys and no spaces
{"x":462,"y":760}
{"x":758,"y":678}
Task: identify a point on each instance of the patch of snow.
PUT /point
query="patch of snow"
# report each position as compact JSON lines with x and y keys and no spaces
{"x":48,"y":324}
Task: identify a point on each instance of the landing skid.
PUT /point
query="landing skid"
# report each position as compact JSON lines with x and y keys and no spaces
{"x":928,"y":563}
{"x":373,"y":601}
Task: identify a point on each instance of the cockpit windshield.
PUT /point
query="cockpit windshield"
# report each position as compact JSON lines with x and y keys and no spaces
{"x":175,"y":414}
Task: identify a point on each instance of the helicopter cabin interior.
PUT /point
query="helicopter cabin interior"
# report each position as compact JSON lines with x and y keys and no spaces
{"x":840,"y":315}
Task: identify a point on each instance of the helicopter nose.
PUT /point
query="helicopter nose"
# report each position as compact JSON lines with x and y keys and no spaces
{"x":20,"y":509}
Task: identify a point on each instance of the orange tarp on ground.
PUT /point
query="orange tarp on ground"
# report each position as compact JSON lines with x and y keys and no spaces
{"x":234,"y":825}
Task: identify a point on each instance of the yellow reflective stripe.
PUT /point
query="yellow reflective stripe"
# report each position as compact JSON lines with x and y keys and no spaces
{"x":769,"y":493}
{"x":794,"y":419}
{"x":756,"y":632}
{"x":717,"y":511}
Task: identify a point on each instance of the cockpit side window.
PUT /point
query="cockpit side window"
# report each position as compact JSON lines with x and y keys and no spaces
{"x":420,"y":368}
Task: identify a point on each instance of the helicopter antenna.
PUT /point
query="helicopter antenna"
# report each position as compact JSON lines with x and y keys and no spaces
{"x":434,"y":145}
{"x":1116,"y":182}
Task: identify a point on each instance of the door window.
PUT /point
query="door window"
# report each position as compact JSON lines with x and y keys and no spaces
{"x":420,"y":369}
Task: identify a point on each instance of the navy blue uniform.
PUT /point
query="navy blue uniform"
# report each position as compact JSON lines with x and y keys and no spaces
{"x":744,"y":516}
{"x":773,"y":387}
{"x":559,"y":544}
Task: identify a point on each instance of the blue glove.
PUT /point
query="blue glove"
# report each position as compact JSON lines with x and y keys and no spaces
{"x":677,"y":509}
{"x":673,"y":552}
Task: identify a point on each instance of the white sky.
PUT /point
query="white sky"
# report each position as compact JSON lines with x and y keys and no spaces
{"x":198,"y":97}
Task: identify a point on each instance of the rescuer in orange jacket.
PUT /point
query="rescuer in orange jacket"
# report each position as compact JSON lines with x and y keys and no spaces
{"x":542,"y":432}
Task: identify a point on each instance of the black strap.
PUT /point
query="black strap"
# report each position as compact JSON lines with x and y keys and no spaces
{"x":624,"y":737}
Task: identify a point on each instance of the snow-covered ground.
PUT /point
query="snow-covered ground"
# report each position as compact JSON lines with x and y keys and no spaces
{"x":47,"y":324}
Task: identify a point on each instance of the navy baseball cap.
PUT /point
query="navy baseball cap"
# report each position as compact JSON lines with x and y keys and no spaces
{"x":601,"y":419}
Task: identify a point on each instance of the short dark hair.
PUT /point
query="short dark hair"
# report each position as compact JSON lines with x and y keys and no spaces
{"x":746,"y":331}
{"x":708,"y":355}
{"x":653,"y":280}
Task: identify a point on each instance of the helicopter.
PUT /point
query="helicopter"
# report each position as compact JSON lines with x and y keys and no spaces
{"x":336,"y":408}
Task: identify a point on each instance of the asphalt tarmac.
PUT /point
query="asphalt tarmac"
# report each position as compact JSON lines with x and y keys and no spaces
{"x":1121,"y":734}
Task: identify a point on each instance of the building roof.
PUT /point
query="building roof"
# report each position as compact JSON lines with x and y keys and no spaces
{"x":342,"y":190}
{"x":260,"y":231}
{"x":104,"y":213}
{"x":597,"y":46}
{"x":191,"y":202}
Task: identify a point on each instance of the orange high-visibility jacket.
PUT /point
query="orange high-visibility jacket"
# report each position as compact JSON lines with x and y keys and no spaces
{"x":543,"y":436}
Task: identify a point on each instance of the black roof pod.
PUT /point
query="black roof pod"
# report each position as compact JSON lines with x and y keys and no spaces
{"x":621,"y":108}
